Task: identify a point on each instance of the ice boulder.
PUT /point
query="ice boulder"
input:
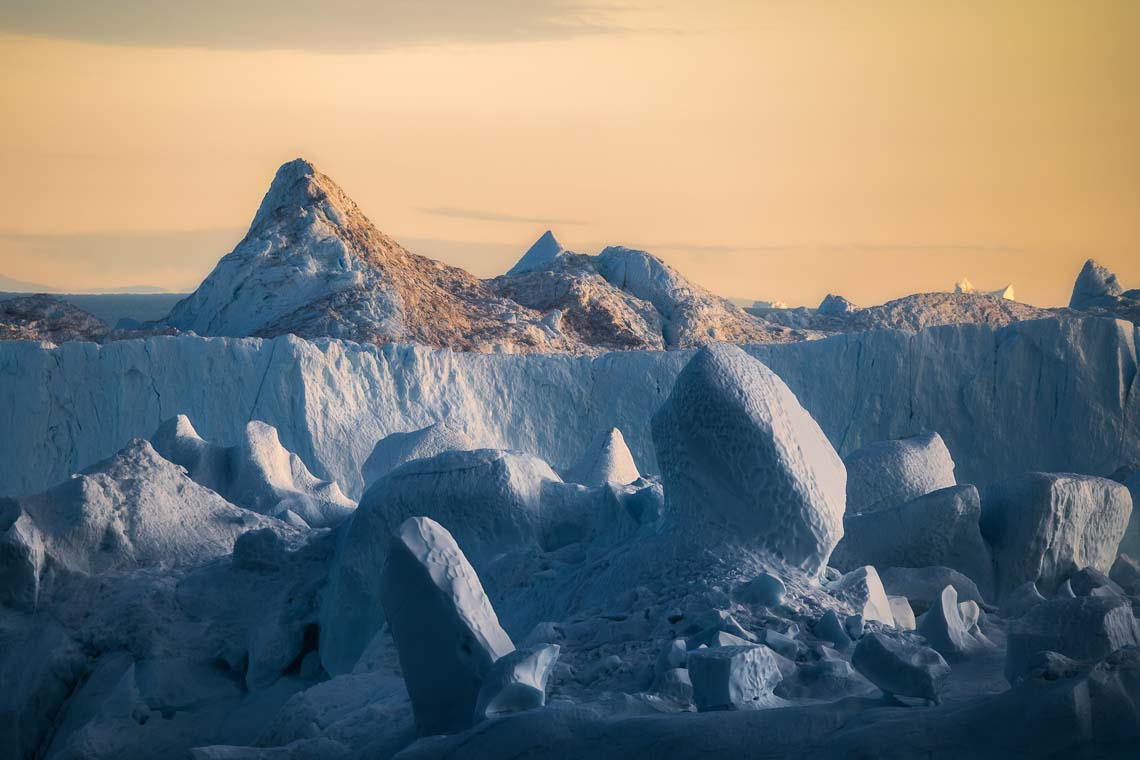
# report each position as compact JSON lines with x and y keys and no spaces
{"x":1021,"y":600}
{"x":903,"y":613}
{"x":1086,"y":628}
{"x":943,"y":627}
{"x":1088,"y":581}
{"x":1126,"y":574}
{"x":829,"y":628}
{"x":1044,"y":526}
{"x":133,"y":510}
{"x":1130,"y":544}
{"x":923,"y":585}
{"x":937,"y":529}
{"x":446,"y":632}
{"x":740,"y":457}
{"x":258,"y":550}
{"x":888,"y":473}
{"x":765,"y":589}
{"x":826,"y":679}
{"x":396,"y":449}
{"x":516,"y":682}
{"x":606,"y":460}
{"x":863,"y":589}
{"x":491,"y":501}
{"x":258,"y":473}
{"x":901,"y":667}
{"x":733,"y":678}
{"x":21,"y":557}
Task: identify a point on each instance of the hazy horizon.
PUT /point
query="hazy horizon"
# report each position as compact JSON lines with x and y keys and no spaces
{"x":773,"y":151}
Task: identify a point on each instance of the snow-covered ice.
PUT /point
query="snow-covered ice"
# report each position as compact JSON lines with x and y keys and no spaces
{"x":901,"y":667}
{"x":739,"y":454}
{"x":257,"y":473}
{"x":605,"y":460}
{"x":1044,"y":526}
{"x":938,"y":529}
{"x":889,"y":473}
{"x":394,"y":450}
{"x":446,"y":631}
{"x":662,"y":582}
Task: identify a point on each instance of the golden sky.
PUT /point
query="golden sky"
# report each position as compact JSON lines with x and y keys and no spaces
{"x":770,"y":149}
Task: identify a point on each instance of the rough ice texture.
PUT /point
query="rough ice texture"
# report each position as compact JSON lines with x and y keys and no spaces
{"x":516,"y":682}
{"x":446,"y":632}
{"x":733,"y":677}
{"x":133,"y":510}
{"x":1087,"y":628}
{"x":940,"y":528}
{"x":914,"y":312}
{"x":888,"y":473}
{"x":923,"y":585}
{"x":863,"y":589}
{"x":738,"y":453}
{"x":627,"y":299}
{"x":943,"y":627}
{"x":312,"y":264}
{"x":42,"y":317}
{"x":1050,"y":395}
{"x":1097,"y":291}
{"x":901,"y":667}
{"x":1092,"y":711}
{"x":258,"y":473}
{"x":834,"y":305}
{"x":491,"y":501}
{"x":1130,"y":544}
{"x":1093,"y":284}
{"x":605,"y":460}
{"x":396,"y":449}
{"x":1044,"y":526}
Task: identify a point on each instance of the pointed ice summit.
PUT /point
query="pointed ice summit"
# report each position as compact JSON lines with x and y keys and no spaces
{"x":313,"y":265}
{"x":607,"y":460}
{"x":1095,"y":285}
{"x":541,"y":255}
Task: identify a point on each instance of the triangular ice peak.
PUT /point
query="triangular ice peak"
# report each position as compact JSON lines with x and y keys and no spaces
{"x":539,"y":256}
{"x":298,"y":186}
{"x":1094,"y":284}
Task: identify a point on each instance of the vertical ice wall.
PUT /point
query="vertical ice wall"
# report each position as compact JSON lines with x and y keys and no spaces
{"x":1045,"y":395}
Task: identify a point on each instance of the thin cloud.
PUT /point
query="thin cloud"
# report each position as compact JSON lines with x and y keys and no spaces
{"x":332,"y":26}
{"x":490,"y":216}
{"x":852,"y":248}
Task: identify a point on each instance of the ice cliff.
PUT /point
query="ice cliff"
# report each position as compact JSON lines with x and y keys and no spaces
{"x":1048,"y":395}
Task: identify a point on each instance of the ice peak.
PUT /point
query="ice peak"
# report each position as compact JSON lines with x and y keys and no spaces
{"x":1094,"y":282}
{"x":298,"y":185}
{"x":545,"y":250}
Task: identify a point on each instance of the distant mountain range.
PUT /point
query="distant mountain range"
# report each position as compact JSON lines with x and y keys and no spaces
{"x":11,"y":285}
